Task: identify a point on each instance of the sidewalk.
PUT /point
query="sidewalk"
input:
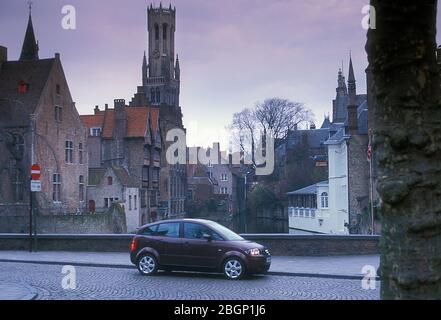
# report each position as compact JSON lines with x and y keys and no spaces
{"x":345,"y":267}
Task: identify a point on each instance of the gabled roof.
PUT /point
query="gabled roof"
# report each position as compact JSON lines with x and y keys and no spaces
{"x":96,"y":176}
{"x":35,"y":74}
{"x":137,"y":121}
{"x":309,"y":190}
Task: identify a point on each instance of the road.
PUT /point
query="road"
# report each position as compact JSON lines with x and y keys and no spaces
{"x":103,"y":283}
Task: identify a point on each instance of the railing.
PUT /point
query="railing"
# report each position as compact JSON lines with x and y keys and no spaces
{"x":295,"y":212}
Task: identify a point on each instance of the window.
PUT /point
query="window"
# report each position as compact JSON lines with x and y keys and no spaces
{"x":156,"y":32}
{"x":106,"y":202}
{"x":69,"y":151}
{"x":210,"y":165}
{"x":164,"y":31}
{"x":155,"y":175}
{"x":95,"y":132}
{"x":23,"y":87}
{"x":170,"y":230}
{"x":58,"y":89}
{"x":135,"y":202}
{"x":197,"y":231}
{"x":109,"y":181}
{"x":152,"y":95}
{"x":224,"y":190}
{"x":18,"y":185}
{"x":149,"y":231}
{"x":56,"y":187}
{"x":153,"y":199}
{"x":81,"y":188}
{"x":224,"y":177}
{"x":80,"y":153}
{"x":58,"y":113}
{"x":19,"y":144}
{"x":145,"y":174}
{"x":143,"y":198}
{"x":158,"y":96}
{"x":130,"y":203}
{"x":325,"y":200}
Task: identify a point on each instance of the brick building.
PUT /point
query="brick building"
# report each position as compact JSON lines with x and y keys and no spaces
{"x":127,"y":140}
{"x":39,"y":123}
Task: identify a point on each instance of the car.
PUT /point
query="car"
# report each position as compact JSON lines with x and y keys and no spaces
{"x":196,"y":245}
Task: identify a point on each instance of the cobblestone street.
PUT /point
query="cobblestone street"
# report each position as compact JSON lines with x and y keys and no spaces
{"x":113,"y":283}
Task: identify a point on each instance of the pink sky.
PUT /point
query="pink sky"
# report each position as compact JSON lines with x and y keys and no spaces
{"x":233,"y":53}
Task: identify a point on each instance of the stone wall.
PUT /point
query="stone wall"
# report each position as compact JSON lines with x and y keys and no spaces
{"x":279,"y":245}
{"x":106,"y":223}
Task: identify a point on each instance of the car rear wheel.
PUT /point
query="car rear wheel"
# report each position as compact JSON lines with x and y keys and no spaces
{"x":234,"y":269}
{"x":147,"y":265}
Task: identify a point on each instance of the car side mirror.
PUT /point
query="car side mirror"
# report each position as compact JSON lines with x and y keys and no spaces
{"x":207,"y":237}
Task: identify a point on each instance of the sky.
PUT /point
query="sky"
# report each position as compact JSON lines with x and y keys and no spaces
{"x":233,"y":53}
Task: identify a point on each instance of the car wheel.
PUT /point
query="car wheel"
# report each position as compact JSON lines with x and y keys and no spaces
{"x":147,"y":265}
{"x":234,"y":269}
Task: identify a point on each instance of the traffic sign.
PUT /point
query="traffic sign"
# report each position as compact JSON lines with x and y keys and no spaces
{"x":35,"y":172}
{"x":35,"y":186}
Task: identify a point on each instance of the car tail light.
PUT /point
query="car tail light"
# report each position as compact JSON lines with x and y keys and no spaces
{"x":133,"y":245}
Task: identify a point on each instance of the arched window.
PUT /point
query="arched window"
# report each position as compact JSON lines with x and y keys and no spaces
{"x":109,"y":181}
{"x":156,"y":32}
{"x":325,"y":200}
{"x":164,"y":31}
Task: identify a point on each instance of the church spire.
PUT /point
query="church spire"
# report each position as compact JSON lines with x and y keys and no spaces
{"x":144,"y":70}
{"x":342,"y":90}
{"x":352,"y":83}
{"x":29,"y":50}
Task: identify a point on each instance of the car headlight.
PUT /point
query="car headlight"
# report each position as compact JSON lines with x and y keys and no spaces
{"x":253,"y":252}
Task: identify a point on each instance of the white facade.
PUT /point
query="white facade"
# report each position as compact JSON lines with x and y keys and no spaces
{"x":132,"y":208}
{"x":329,"y":212}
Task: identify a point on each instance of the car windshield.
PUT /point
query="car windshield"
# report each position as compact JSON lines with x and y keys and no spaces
{"x":226,"y":233}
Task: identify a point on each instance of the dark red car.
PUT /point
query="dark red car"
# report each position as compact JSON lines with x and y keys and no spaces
{"x":196,"y":245}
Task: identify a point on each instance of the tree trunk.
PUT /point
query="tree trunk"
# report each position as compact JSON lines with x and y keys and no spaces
{"x":407,"y":145}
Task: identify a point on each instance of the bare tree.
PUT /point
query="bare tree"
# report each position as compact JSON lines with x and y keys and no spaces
{"x":277,"y":117}
{"x":244,"y":129}
{"x":407,"y":145}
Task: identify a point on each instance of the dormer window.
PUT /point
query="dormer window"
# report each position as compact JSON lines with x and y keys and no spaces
{"x":23,"y":87}
{"x":95,"y":132}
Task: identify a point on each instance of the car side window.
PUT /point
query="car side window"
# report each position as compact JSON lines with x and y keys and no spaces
{"x":197,"y":231}
{"x":149,"y":231}
{"x":170,"y":230}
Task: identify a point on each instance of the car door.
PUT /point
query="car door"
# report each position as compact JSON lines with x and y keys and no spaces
{"x":200,"y":252}
{"x":168,"y":234}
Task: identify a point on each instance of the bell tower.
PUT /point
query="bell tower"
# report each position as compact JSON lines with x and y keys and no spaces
{"x":161,"y":74}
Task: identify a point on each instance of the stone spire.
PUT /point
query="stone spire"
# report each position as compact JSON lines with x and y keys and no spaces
{"x":352,"y":105}
{"x":177,"y":69}
{"x":144,"y":70}
{"x":352,"y":87}
{"x":342,"y":90}
{"x":29,"y":50}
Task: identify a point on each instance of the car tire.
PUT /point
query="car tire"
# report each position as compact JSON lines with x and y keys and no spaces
{"x":234,"y":268}
{"x":147,"y":265}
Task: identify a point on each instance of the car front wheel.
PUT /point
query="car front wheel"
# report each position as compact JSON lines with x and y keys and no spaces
{"x":147,"y":265}
{"x":234,"y":269}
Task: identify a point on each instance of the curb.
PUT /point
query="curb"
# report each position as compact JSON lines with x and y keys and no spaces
{"x":123,"y":266}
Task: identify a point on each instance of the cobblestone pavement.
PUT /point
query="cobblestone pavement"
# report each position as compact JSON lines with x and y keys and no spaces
{"x":111,"y":283}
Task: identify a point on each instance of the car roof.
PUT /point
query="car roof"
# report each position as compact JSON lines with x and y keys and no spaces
{"x":204,"y":221}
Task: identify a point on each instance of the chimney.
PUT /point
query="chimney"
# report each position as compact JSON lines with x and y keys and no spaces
{"x":352,"y":119}
{"x":120,"y":128}
{"x":3,"y":55}
{"x":313,"y":127}
{"x":57,"y":56}
{"x":106,"y":107}
{"x":97,"y":109}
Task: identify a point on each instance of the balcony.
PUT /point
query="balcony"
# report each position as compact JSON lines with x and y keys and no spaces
{"x":307,"y":213}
